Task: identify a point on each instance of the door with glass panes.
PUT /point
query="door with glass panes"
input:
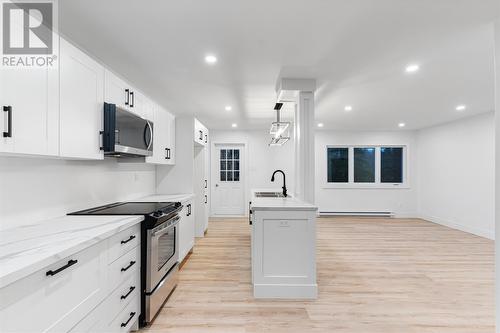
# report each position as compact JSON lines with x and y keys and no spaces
{"x":228,"y":180}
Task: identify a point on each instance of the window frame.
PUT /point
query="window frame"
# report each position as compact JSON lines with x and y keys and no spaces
{"x":377,"y":184}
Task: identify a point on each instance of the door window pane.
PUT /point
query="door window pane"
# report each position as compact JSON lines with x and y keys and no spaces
{"x":223,"y":176}
{"x":229,"y":176}
{"x":236,"y":176}
{"x":222,"y":154}
{"x":391,"y":164}
{"x":338,"y":165}
{"x":236,"y":154}
{"x":229,"y":154}
{"x":223,"y":165}
{"x":364,"y":165}
{"x":229,"y":165}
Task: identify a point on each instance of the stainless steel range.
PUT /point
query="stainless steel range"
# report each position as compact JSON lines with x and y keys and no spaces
{"x":159,"y":249}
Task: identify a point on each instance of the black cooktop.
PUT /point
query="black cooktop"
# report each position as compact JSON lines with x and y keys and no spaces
{"x":130,"y":208}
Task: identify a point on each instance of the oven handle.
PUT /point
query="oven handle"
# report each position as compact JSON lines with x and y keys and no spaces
{"x":167,"y":229}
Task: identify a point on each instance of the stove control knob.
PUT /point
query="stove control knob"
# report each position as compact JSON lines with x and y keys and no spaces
{"x":158,"y":213}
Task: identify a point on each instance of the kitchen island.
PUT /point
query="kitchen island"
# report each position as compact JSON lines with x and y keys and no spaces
{"x":283,"y":246}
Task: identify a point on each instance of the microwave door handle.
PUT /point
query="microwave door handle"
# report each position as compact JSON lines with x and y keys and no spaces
{"x":148,"y":144}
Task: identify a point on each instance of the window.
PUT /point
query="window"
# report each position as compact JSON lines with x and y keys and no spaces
{"x":391,"y":165}
{"x":364,"y":165}
{"x":229,"y":165}
{"x":369,"y":166}
{"x":338,"y":165}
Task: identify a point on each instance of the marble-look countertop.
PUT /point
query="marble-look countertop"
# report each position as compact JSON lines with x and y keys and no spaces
{"x":288,"y":203}
{"x":28,"y":248}
{"x":182,"y":197}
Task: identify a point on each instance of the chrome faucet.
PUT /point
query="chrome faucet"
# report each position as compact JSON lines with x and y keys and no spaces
{"x":284,"y":181}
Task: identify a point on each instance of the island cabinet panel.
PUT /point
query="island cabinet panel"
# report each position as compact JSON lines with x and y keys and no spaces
{"x":284,"y":253}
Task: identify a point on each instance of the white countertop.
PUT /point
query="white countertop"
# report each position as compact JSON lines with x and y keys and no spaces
{"x":182,"y":197}
{"x":288,"y":203}
{"x":28,"y":248}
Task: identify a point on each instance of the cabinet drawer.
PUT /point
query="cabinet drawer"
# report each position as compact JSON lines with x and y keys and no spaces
{"x":124,"y":267}
{"x":127,"y":317}
{"x":122,"y":295}
{"x":58,"y":297}
{"x":123,"y":242}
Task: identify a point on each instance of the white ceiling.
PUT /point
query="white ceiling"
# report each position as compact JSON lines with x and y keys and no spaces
{"x":357,"y":50}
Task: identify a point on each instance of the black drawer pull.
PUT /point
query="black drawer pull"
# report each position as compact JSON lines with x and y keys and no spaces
{"x":129,"y":292}
{"x":69,"y":264}
{"x":8,"y":134}
{"x":132,"y":314}
{"x":128,"y":240}
{"x":130,"y":265}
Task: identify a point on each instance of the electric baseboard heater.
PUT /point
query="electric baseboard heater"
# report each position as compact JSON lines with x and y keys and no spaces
{"x":377,"y":214}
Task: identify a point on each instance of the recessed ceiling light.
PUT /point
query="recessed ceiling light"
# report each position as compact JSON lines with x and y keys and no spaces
{"x":234,"y":125}
{"x":348,"y":108}
{"x":228,"y":108}
{"x":412,"y":68}
{"x":320,"y":125}
{"x":210,"y":59}
{"x":460,"y":107}
{"x":401,"y":125}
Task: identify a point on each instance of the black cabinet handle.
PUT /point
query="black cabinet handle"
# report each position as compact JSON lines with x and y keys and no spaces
{"x":201,"y":135}
{"x":250,"y":213}
{"x":206,"y":198}
{"x":206,"y":138}
{"x":129,"y":292}
{"x":127,"y":96}
{"x":206,"y":183}
{"x":128,"y":240}
{"x":132,"y":99}
{"x":189,"y":210}
{"x":132,"y":314}
{"x":69,"y":264}
{"x":8,"y":134}
{"x":168,"y":153}
{"x":130,"y":265}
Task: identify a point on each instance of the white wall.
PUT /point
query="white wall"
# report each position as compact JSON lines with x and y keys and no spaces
{"x":456,"y":164}
{"x":262,"y":160}
{"x":34,"y":189}
{"x":497,"y":172}
{"x":401,"y":201}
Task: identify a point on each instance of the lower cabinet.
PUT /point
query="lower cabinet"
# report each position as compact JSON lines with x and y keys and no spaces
{"x":85,"y":292}
{"x":186,"y":229}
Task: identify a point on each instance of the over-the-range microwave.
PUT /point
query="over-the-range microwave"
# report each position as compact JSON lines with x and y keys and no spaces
{"x":125,"y":133}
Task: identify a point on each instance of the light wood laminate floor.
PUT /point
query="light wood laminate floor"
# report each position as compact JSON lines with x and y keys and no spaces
{"x":374,"y":275}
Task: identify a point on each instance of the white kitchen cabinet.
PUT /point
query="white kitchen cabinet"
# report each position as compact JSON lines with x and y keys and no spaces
{"x":56,"y":297}
{"x":94,"y":290}
{"x":125,"y":96}
{"x":29,"y":101}
{"x":163,"y":138}
{"x":116,"y":91}
{"x":186,"y":229}
{"x":81,"y":104}
{"x":200,"y":133}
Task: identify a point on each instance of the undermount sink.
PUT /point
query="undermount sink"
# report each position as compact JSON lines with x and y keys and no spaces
{"x":269,"y":195}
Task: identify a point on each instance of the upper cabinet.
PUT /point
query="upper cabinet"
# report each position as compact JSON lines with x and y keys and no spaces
{"x":81,"y":103}
{"x":125,"y":96}
{"x":200,"y":133}
{"x":29,"y":102}
{"x":164,"y":138}
{"x":59,"y":111}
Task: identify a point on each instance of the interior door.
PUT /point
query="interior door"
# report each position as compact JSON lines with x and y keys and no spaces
{"x":228,"y":180}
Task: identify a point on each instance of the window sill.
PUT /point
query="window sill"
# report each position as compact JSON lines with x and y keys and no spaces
{"x":351,"y":186}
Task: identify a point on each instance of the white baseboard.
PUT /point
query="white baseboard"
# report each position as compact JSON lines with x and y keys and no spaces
{"x":286,"y":291}
{"x":475,"y":231}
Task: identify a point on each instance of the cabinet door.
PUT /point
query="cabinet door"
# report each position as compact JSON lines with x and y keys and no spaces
{"x":116,"y":91}
{"x":186,"y":230}
{"x":82,"y":99}
{"x":171,"y":138}
{"x":33,"y":97}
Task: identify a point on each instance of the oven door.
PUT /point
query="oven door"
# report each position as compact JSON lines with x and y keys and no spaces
{"x":162,"y":251}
